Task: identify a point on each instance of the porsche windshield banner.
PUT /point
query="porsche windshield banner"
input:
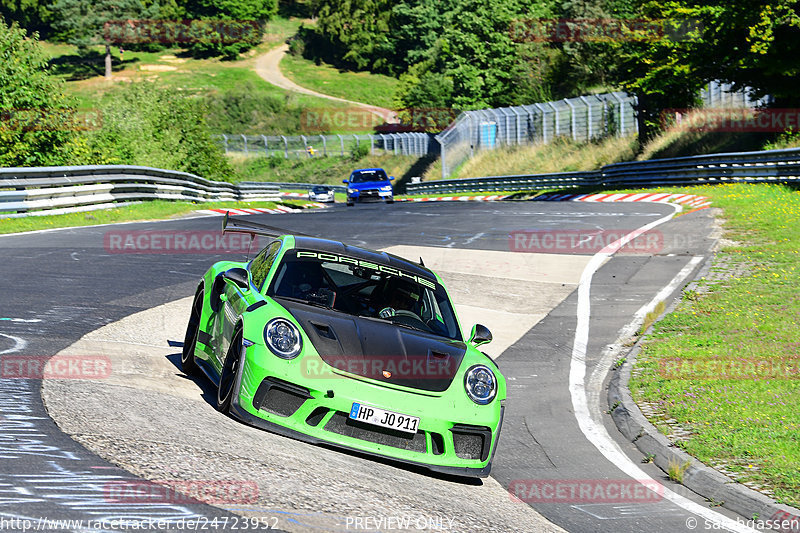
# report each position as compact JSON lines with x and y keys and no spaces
{"x":335,"y":258}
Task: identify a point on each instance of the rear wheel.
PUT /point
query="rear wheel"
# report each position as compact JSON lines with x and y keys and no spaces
{"x":230,"y":373}
{"x":188,"y":362}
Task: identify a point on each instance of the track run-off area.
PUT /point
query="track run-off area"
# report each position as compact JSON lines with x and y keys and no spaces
{"x":545,"y":277}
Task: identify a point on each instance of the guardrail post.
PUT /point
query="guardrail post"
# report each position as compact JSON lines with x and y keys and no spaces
{"x":266,"y":147}
{"x":244,"y":138}
{"x":324,"y":145}
{"x":285,"y":147}
{"x":371,"y":144}
{"x":225,"y":139}
{"x":341,"y":143}
{"x":305,"y":145}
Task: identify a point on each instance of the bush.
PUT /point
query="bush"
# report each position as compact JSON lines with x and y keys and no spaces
{"x":246,"y":109}
{"x":148,"y":125}
{"x":37,"y":121}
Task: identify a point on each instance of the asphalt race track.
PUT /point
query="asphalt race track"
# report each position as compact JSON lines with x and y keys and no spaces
{"x":64,"y":290}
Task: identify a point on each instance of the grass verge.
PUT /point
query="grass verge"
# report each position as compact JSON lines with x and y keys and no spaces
{"x":561,"y":155}
{"x":365,"y":87}
{"x":155,"y":210}
{"x":724,"y":366}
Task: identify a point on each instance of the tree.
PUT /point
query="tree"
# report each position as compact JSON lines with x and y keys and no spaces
{"x":36,"y":118}
{"x":241,"y":22}
{"x":29,"y":14}
{"x":83,"y":22}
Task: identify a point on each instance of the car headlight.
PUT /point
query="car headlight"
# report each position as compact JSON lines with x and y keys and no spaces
{"x":386,"y":188}
{"x":350,"y":191}
{"x":283,"y":338}
{"x":480,"y":384}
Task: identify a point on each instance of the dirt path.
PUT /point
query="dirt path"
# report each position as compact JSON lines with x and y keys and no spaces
{"x":267,"y":66}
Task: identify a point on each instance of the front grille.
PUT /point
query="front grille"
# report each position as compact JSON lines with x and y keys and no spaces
{"x":471,"y":442}
{"x":341,"y":424}
{"x":279,"y":397}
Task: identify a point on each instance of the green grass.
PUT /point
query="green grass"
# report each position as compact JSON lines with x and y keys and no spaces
{"x":365,"y":87}
{"x":155,"y":210}
{"x":85,"y":82}
{"x":561,"y":155}
{"x":748,"y":309}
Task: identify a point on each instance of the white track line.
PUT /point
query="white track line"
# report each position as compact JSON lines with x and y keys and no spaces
{"x":19,"y":344}
{"x":596,"y":433}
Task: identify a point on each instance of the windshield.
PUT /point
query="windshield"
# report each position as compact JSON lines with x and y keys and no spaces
{"x":365,"y":289}
{"x":363,"y":176}
{"x":320,"y":189}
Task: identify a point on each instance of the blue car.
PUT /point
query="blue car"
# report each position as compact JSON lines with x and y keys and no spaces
{"x":369,"y":185}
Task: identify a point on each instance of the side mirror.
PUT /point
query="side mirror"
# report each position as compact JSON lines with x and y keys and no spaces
{"x":237,"y":276}
{"x":391,"y":178}
{"x":346,"y":181}
{"x":480,"y":335}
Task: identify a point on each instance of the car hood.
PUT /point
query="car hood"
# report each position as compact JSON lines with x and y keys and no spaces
{"x":369,"y":185}
{"x":379,"y":350}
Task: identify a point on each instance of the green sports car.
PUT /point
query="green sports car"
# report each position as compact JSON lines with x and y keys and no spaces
{"x":330,"y":343}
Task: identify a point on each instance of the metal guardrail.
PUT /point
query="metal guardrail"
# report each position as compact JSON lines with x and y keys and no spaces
{"x":770,"y":166}
{"x":54,"y":190}
{"x":287,"y":186}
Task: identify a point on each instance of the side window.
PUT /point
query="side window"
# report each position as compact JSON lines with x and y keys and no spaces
{"x":259,"y":267}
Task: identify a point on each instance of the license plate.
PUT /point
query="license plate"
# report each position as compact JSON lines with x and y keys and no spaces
{"x":383,"y":418}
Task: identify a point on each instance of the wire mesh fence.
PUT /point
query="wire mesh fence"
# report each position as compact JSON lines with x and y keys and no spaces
{"x":306,"y":146}
{"x":583,"y":118}
{"x":718,"y":94}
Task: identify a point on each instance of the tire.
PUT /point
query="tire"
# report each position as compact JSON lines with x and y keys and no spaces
{"x":349,"y":204}
{"x":188,"y":362}
{"x":230,"y":373}
{"x":389,"y":201}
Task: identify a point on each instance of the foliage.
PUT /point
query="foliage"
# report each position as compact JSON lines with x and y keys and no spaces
{"x":82,"y":22}
{"x":29,"y":14}
{"x":243,"y":109}
{"x":247,"y":16}
{"x":153,"y":126}
{"x":37,"y":121}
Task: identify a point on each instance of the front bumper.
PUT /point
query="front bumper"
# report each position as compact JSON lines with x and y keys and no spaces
{"x":451,"y":439}
{"x":370,"y":195}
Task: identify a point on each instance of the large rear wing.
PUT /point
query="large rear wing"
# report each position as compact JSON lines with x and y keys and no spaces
{"x":238,"y":225}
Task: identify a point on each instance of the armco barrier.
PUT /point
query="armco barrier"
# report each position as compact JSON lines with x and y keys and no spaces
{"x":769,"y":166}
{"x":51,"y":190}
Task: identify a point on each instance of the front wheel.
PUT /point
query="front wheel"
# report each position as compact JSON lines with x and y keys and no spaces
{"x":230,"y":373}
{"x":188,"y":362}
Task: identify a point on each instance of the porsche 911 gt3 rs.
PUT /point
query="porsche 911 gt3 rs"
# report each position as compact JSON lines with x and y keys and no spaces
{"x":330,"y":343}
